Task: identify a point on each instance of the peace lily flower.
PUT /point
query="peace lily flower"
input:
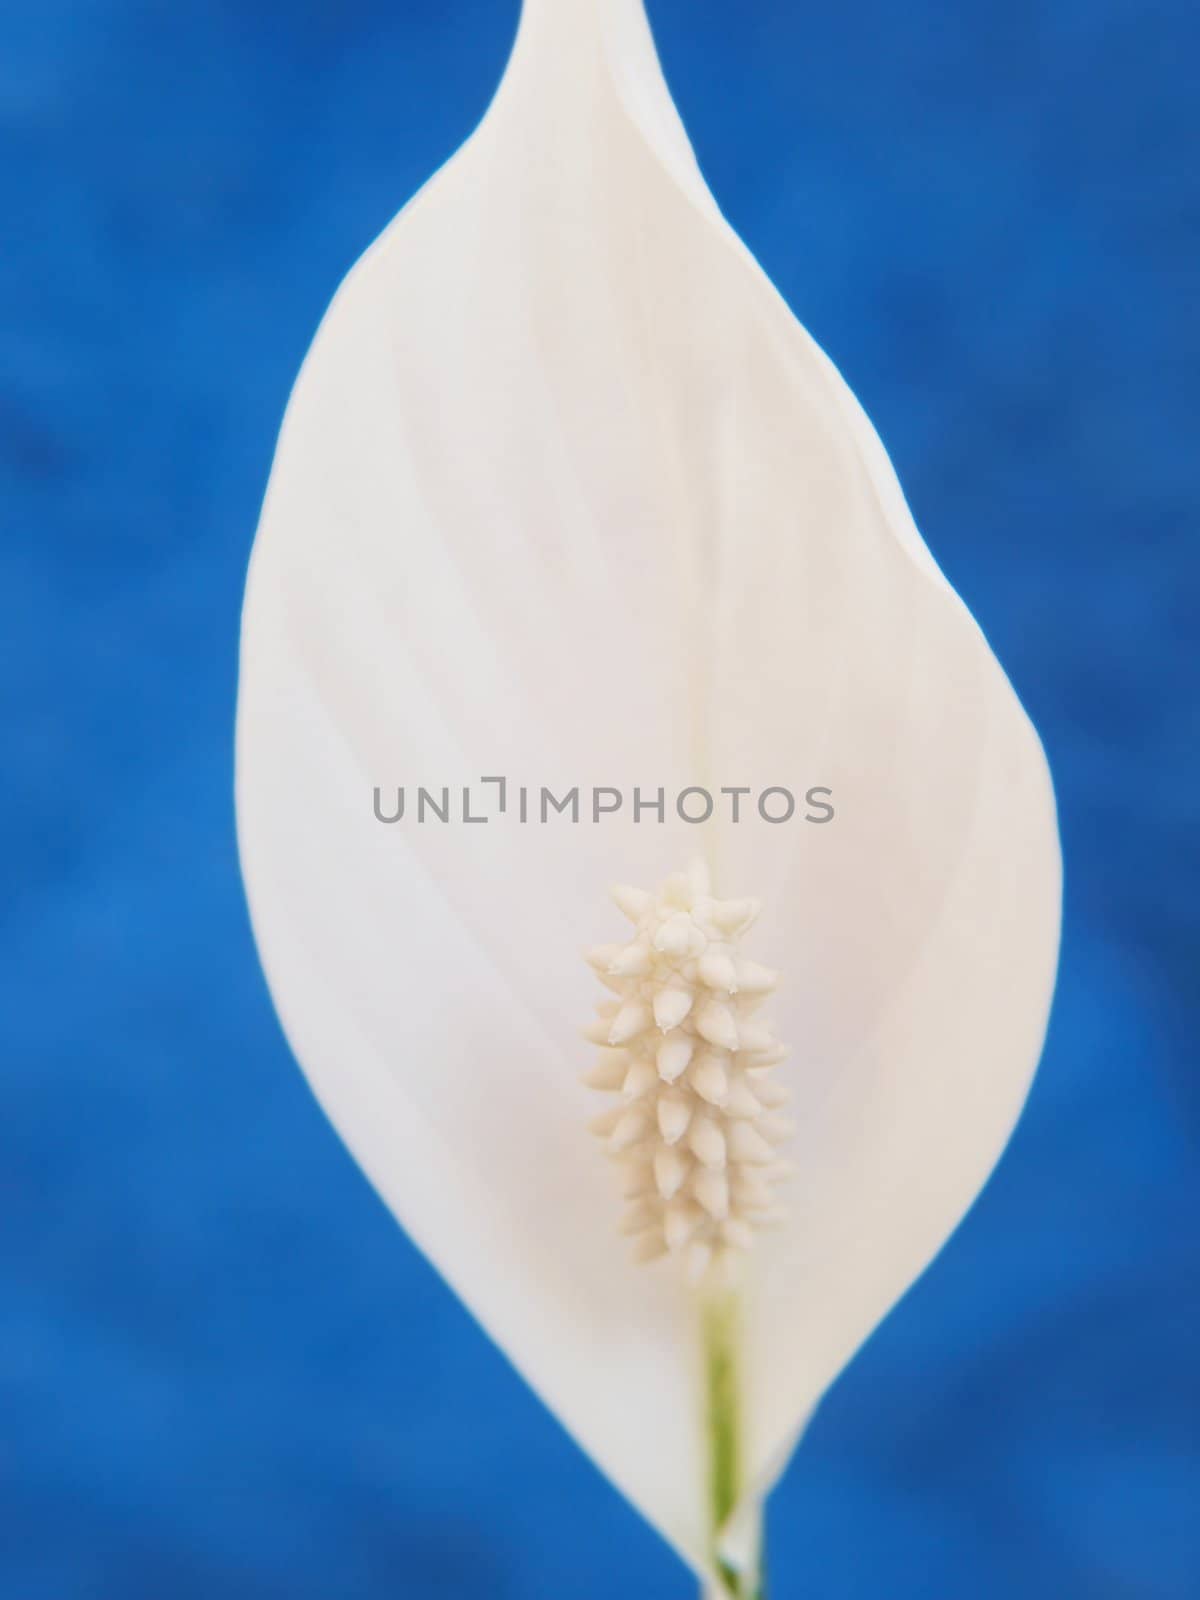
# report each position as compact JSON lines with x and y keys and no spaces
{"x":565,"y":494}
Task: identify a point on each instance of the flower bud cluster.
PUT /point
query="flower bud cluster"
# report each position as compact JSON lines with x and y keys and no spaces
{"x":696,"y":1124}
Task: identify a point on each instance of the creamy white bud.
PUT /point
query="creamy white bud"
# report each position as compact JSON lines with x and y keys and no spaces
{"x":712,"y":1191}
{"x":670,"y":1169}
{"x":631,"y":960}
{"x":645,"y":1214}
{"x":756,"y":1035}
{"x":671,"y":1005}
{"x":737,"y":1232}
{"x":681,"y":1218}
{"x":769,"y":1093}
{"x":632,"y":1128}
{"x":742,"y":1103}
{"x":777,"y":1129}
{"x":710,"y":1080}
{"x":673,"y":1055}
{"x":649,"y":1246}
{"x":674,"y":1114}
{"x":755,"y":979}
{"x":747,"y":1144}
{"x":717,"y":970}
{"x":707,"y":1142}
{"x":771,"y":1056}
{"x":675,"y":936}
{"x":733,"y":916}
{"x":603,"y":1125}
{"x":609,"y":1070}
{"x":633,"y":1018}
{"x":633,"y":902}
{"x":639,"y":1080}
{"x":637,"y":1175}
{"x":716,"y":1022}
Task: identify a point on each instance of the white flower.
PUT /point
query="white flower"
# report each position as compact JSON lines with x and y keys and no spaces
{"x":565,"y":494}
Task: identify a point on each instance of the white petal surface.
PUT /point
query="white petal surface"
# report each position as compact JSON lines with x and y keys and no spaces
{"x":565,"y":494}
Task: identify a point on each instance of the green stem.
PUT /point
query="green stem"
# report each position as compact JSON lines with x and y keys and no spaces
{"x":723,"y":1417}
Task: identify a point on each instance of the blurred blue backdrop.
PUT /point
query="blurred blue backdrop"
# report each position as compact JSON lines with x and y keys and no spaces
{"x":223,"y":1370}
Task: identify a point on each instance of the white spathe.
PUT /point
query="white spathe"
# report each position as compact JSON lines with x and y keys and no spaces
{"x":565,"y":493}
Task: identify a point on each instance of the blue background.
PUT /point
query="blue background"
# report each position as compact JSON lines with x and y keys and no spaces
{"x":223,"y":1370}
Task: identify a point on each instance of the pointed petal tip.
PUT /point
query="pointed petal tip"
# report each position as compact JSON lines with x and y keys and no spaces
{"x":639,"y":1079}
{"x":633,"y":902}
{"x":755,"y":979}
{"x":734,"y":916}
{"x":632,"y":1018}
{"x":631,"y":1128}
